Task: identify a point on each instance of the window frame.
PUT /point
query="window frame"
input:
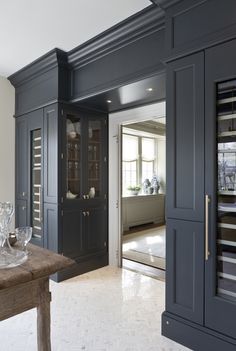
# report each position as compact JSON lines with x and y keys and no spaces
{"x":139,"y":160}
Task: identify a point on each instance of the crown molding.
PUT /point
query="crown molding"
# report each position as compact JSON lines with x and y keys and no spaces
{"x":141,"y":24}
{"x":165,"y":4}
{"x":149,"y":20}
{"x":52,"y":59}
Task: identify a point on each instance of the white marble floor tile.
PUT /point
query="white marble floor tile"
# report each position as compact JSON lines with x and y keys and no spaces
{"x":109,"y":309}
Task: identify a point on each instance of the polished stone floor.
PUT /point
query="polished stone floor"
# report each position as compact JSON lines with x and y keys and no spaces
{"x":109,"y":309}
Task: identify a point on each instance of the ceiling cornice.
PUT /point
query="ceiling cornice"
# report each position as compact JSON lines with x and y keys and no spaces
{"x":50,"y":60}
{"x":149,"y":20}
{"x":141,"y":24}
{"x":164,"y":4}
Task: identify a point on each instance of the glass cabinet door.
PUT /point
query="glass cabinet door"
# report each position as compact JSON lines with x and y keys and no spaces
{"x":73,"y":157}
{"x":226,"y":215}
{"x":36,"y":184}
{"x":94,"y":158}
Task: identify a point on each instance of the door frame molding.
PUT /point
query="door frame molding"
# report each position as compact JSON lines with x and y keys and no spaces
{"x":116,"y":120}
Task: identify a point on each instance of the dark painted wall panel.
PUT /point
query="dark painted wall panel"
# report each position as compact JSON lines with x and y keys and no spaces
{"x":195,"y":24}
{"x":185,"y":135}
{"x":117,"y":68}
{"x":185,"y":269}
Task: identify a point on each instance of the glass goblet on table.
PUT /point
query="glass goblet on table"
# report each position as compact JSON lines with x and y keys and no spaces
{"x":23,"y":235}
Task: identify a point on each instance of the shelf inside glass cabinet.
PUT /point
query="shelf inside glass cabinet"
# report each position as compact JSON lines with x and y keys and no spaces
{"x":226,"y":208}
{"x":73,"y":148}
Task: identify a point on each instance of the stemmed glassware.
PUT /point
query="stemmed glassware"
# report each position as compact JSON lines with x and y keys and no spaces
{"x":23,"y":235}
{"x":9,"y":257}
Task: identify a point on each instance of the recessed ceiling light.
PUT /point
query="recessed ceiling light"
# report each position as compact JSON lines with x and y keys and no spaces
{"x":149,"y":89}
{"x":109,"y":101}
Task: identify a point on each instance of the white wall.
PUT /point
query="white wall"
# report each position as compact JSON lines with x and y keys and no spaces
{"x":7,"y":141}
{"x":115,"y":121}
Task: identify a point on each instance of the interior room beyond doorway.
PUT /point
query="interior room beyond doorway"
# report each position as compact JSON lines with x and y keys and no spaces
{"x":143,"y":166}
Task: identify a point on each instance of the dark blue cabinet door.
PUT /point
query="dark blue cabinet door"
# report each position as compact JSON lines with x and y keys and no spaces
{"x":185,"y":138}
{"x":73,"y":229}
{"x":96,"y":231}
{"x":21,"y":213}
{"x":185,"y":269}
{"x":220,"y":283}
{"x":51,"y":153}
{"x":21,"y":158}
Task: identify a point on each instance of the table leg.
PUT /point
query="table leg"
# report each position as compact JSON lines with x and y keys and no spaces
{"x":43,"y":317}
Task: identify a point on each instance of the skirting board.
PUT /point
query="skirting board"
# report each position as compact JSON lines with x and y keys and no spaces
{"x":81,"y":268}
{"x":193,"y":336}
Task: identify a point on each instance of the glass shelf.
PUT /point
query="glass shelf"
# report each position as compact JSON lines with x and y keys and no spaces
{"x":36,"y":186}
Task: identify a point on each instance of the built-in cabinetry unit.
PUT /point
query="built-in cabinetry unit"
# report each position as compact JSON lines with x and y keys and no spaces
{"x":64,"y":188}
{"x":61,"y":182}
{"x":201,"y":181}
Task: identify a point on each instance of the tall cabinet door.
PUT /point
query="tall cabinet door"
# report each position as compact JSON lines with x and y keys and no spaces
{"x":21,"y":158}
{"x":220,"y":163}
{"x":185,"y":187}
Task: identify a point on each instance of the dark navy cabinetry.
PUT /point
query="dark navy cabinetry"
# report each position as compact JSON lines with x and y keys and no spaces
{"x":201,"y":197}
{"x":61,"y":182}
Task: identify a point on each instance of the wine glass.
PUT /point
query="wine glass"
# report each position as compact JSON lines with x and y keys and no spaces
{"x":23,"y":235}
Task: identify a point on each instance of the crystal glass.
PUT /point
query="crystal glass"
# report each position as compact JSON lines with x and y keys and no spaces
{"x":6,"y":213}
{"x":9,"y":257}
{"x":23,"y":235}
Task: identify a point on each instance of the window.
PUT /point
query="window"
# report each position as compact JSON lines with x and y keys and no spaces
{"x":138,"y":160}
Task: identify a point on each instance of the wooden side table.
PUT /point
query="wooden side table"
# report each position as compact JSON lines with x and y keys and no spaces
{"x":27,"y":286}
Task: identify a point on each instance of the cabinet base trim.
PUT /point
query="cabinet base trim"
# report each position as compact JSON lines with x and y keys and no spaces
{"x":194,"y":336}
{"x":81,"y":268}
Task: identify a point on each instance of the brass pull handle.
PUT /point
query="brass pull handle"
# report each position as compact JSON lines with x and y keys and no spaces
{"x":207,"y":201}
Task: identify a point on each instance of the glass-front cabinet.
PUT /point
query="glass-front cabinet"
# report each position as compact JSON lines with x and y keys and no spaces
{"x":94,"y":158}
{"x":73,"y":157}
{"x":84,"y":157}
{"x":226,"y":238}
{"x":84,"y":184}
{"x":220,"y":235}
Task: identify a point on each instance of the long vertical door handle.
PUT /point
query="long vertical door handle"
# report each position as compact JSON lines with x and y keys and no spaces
{"x":207,"y":201}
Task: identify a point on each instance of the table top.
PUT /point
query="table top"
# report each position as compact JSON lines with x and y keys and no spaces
{"x":41,"y":263}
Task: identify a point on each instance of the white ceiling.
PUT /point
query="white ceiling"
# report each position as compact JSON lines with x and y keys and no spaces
{"x":30,"y":28}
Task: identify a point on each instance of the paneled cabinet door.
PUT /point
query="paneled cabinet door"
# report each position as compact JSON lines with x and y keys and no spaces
{"x":21,"y":158}
{"x":185,"y":138}
{"x":96,"y":230}
{"x":220,"y":158}
{"x":185,"y":269}
{"x":73,"y":224}
{"x":21,"y":213}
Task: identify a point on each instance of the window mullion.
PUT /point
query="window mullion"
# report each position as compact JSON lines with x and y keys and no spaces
{"x":140,"y":173}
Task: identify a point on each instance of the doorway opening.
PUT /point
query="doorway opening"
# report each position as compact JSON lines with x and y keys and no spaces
{"x":143,"y":187}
